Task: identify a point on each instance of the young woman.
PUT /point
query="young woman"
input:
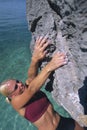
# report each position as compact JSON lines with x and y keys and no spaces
{"x":29,"y":101}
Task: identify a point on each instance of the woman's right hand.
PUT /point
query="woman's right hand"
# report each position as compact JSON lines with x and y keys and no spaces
{"x":40,"y":48}
{"x":59,"y":59}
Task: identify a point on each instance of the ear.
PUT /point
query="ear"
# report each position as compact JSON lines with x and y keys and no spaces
{"x":7,"y":100}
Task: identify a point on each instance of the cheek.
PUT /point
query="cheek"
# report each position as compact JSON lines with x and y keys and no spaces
{"x":17,"y":92}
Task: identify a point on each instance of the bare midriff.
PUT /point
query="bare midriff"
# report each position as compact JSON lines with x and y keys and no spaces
{"x":49,"y":120}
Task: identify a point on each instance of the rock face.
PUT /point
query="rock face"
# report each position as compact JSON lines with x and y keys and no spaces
{"x":65,"y":23}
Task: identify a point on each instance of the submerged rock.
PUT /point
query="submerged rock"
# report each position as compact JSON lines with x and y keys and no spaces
{"x":65,"y":23}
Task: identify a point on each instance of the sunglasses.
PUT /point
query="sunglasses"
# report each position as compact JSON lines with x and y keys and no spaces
{"x":15,"y":87}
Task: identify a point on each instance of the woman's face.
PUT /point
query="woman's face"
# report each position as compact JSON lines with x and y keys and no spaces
{"x":15,"y":87}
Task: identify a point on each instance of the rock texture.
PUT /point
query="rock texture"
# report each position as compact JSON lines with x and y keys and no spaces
{"x":65,"y":23}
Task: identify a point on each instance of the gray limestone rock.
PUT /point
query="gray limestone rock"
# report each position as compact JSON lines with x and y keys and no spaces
{"x":65,"y":23}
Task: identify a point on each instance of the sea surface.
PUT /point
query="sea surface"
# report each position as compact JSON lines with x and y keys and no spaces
{"x":15,"y":58}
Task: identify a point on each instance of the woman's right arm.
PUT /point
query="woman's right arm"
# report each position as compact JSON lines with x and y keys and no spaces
{"x":39,"y":54}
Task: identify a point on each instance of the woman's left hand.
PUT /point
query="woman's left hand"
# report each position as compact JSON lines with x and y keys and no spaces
{"x":59,"y":59}
{"x":40,"y":48}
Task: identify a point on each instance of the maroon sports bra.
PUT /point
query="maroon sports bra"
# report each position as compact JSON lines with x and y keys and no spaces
{"x":36,"y":107}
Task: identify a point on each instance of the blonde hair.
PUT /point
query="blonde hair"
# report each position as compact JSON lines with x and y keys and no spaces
{"x":3,"y":88}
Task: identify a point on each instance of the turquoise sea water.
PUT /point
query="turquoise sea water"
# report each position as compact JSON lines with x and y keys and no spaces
{"x":15,"y":59}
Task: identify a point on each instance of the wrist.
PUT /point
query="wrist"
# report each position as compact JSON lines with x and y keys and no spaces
{"x":34,"y":60}
{"x":48,"y":68}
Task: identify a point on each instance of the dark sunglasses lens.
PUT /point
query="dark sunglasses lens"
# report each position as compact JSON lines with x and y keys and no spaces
{"x":17,"y":81}
{"x":16,"y":86}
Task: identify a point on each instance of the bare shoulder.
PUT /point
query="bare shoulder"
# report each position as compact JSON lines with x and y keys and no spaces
{"x":20,"y":100}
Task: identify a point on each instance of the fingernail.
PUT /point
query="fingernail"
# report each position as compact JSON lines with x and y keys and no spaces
{"x":65,"y":62}
{"x":65,"y":55}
